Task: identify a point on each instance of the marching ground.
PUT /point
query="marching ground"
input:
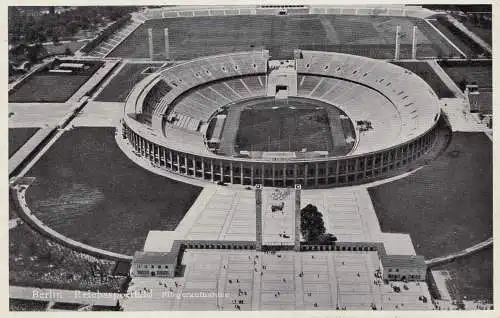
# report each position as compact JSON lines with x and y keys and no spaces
{"x":222,"y":279}
{"x":119,"y":87}
{"x":87,"y":189}
{"x":446,"y":206}
{"x":18,"y":137}
{"x":361,"y":35}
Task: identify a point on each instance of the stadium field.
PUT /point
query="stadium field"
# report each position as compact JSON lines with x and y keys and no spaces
{"x":18,"y":137}
{"x":87,"y":189}
{"x":471,"y":276}
{"x":361,"y":35}
{"x":425,"y":71}
{"x":284,"y":129}
{"x":118,"y":88}
{"x":446,"y":206}
{"x":40,"y":86}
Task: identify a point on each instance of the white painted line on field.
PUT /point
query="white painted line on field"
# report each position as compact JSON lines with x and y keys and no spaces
{"x":444,"y":36}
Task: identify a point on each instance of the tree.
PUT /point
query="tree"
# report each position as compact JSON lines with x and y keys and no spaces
{"x":312,"y":226}
{"x":36,"y":52}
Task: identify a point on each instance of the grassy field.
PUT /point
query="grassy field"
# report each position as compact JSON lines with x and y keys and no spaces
{"x":45,"y":87}
{"x":480,"y":72}
{"x":446,"y":206}
{"x":262,"y":128}
{"x":37,"y":262}
{"x":119,"y":87}
{"x":361,"y":35}
{"x":87,"y":189}
{"x":471,"y":276}
{"x":425,"y":71}
{"x":18,"y":137}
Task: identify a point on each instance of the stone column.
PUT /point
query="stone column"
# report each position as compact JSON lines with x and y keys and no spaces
{"x":150,"y":43}
{"x":258,"y":217}
{"x":298,"y":188}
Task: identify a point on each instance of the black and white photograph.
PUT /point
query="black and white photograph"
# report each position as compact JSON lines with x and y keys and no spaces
{"x":250,"y":157}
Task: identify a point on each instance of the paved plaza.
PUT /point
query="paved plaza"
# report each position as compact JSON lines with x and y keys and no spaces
{"x":250,"y":280}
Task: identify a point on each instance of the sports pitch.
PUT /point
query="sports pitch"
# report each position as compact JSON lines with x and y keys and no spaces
{"x":46,"y":87}
{"x":87,"y":189}
{"x":361,"y":35}
{"x":296,"y":125}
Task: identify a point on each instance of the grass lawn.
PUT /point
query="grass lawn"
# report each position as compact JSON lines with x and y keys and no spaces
{"x":425,"y":71}
{"x":471,"y":276}
{"x":446,"y":206}
{"x":87,"y":189}
{"x":118,"y":88}
{"x":362,"y":35}
{"x":18,"y":137}
{"x":45,"y":87}
{"x":480,"y":72}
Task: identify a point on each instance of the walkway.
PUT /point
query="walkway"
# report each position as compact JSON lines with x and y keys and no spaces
{"x":465,"y":252}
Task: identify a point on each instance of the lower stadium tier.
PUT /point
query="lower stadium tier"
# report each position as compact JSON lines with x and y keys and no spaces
{"x":312,"y":173}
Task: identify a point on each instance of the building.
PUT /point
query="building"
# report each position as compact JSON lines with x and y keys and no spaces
{"x":154,"y":264}
{"x":403,"y":267}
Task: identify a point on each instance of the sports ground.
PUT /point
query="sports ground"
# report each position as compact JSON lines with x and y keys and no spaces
{"x":18,"y":137}
{"x":40,"y":86}
{"x":85,"y":179}
{"x":447,"y":205}
{"x":361,"y":35}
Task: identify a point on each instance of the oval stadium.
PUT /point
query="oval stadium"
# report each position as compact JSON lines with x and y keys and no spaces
{"x":322,"y":119}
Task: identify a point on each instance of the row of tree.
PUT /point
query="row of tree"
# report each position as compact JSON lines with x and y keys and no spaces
{"x":25,"y":27}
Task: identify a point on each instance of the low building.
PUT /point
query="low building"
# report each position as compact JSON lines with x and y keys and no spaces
{"x":403,"y":267}
{"x":154,"y":264}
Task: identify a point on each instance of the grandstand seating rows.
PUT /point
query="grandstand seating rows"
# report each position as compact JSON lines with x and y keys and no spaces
{"x":417,"y":109}
{"x":107,"y":46}
{"x":399,"y":105}
{"x":199,"y":104}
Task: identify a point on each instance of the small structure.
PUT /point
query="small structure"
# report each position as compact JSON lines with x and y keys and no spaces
{"x":71,"y":66}
{"x":154,"y":264}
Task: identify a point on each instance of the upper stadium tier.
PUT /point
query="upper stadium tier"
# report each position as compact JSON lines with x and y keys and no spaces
{"x":391,"y":112}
